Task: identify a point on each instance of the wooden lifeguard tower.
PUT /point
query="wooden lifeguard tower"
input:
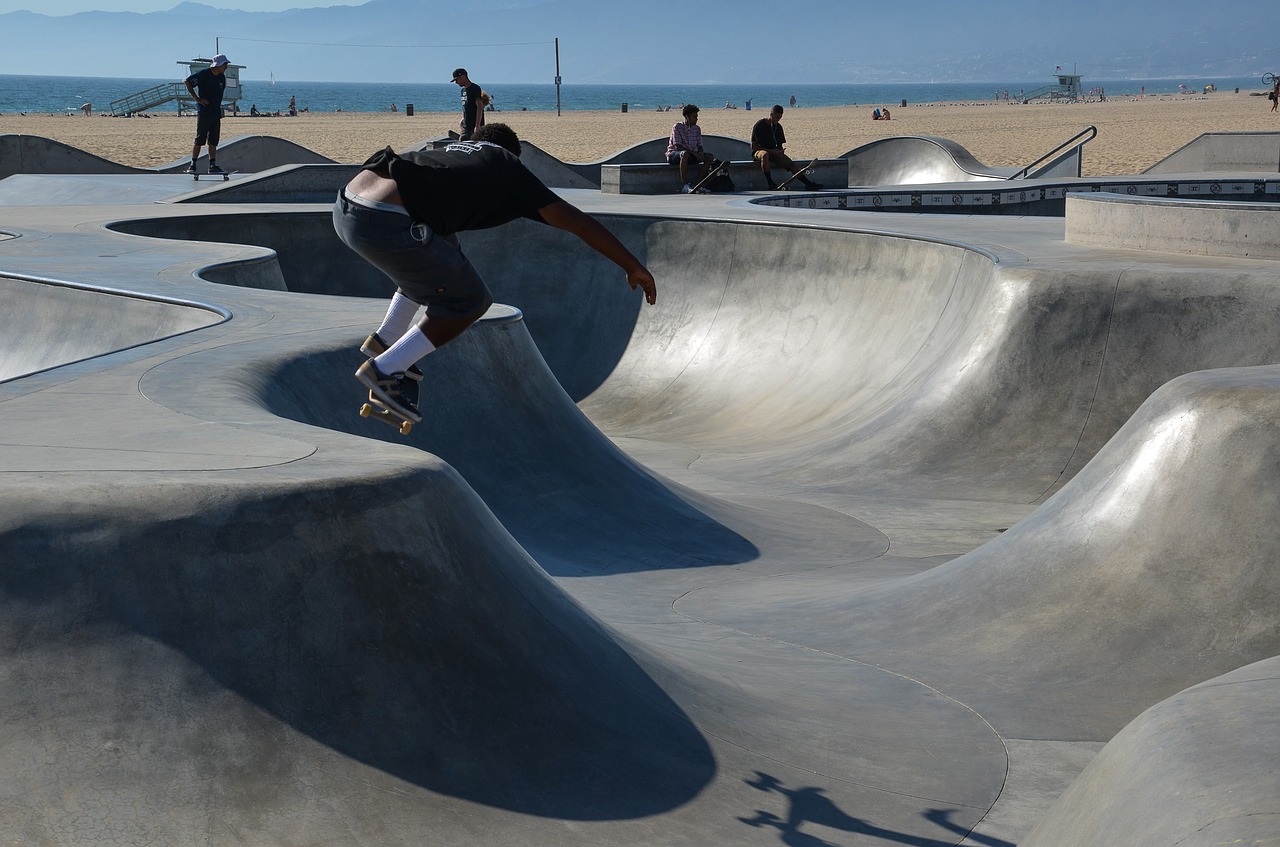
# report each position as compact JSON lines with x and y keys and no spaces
{"x":168,"y":92}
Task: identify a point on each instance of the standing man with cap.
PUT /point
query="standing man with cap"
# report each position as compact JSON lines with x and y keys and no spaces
{"x":472,"y":114}
{"x":206,"y":88}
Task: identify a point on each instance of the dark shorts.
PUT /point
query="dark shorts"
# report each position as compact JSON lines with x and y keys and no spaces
{"x":209,"y":126}
{"x":673,"y":158}
{"x":426,"y":267}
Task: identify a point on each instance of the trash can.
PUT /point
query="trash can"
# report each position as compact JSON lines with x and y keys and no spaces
{"x":904,"y":104}
{"x":624,"y":107}
{"x":408,"y":109}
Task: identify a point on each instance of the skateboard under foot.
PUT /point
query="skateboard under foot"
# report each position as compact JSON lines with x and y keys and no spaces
{"x":374,"y":409}
{"x":225,"y":175}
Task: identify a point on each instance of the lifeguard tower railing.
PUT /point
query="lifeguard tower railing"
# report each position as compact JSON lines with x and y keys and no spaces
{"x":156,"y":95}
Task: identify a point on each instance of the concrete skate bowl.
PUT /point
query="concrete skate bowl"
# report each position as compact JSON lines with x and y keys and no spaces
{"x":49,"y":324}
{"x":887,"y":369}
{"x":917,"y":160}
{"x":803,"y":415}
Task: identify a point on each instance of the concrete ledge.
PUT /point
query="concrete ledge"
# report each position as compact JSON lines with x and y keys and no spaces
{"x":661,"y":178}
{"x":1199,"y":227}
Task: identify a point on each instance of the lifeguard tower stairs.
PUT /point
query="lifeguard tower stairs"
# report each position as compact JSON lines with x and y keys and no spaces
{"x":1069,"y":87}
{"x":169,"y":92}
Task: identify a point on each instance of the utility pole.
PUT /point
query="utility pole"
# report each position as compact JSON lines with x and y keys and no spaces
{"x":557,"y":76}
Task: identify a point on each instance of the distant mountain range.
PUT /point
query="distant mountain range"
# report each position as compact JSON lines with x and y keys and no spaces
{"x":663,"y":41}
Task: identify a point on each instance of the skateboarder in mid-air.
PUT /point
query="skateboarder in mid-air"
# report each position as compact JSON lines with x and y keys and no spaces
{"x":402,"y":215}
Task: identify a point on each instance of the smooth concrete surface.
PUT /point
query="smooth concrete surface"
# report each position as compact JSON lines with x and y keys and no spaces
{"x":1214,"y":152}
{"x":1204,"y":227}
{"x":873,"y":531}
{"x":916,"y":160}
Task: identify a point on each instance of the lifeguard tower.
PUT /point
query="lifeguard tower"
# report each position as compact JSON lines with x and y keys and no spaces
{"x":1069,"y":87}
{"x":168,"y":92}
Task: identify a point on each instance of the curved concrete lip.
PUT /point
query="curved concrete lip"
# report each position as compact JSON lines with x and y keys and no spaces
{"x":869,"y":530}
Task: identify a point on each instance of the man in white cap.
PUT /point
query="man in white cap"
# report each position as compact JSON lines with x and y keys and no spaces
{"x":206,"y":88}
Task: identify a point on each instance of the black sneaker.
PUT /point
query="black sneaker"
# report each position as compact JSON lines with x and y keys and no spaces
{"x":394,"y":391}
{"x":214,"y":169}
{"x":813,"y":186}
{"x":191,"y":168}
{"x":375,"y":346}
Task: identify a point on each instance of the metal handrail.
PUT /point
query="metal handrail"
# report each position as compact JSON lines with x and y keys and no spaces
{"x":1091,"y":131}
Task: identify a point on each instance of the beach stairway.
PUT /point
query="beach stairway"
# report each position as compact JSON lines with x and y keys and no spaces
{"x":156,"y":95}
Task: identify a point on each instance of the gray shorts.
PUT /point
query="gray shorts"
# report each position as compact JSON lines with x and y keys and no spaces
{"x":428,"y":268}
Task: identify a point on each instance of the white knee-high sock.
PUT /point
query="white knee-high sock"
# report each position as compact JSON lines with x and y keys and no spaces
{"x":399,"y":318}
{"x":411,"y":347}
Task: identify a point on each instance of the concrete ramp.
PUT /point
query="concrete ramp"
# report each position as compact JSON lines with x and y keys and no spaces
{"x":1197,"y":769}
{"x":48,"y":324}
{"x":917,"y":160}
{"x":253,"y":153}
{"x":32,"y":154}
{"x":1219,"y":152}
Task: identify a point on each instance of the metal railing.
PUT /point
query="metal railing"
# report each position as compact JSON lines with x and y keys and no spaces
{"x":1076,"y":140}
{"x":157,"y":95}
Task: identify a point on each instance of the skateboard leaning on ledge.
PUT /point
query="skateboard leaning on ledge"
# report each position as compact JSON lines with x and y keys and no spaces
{"x":798,"y":174}
{"x":720,"y":168}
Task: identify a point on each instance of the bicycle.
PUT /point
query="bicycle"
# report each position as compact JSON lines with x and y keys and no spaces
{"x":1269,"y":79}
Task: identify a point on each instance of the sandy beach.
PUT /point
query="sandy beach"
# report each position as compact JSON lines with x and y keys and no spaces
{"x":1133,"y":133}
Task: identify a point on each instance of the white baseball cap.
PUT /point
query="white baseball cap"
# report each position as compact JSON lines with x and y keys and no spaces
{"x":219,"y":60}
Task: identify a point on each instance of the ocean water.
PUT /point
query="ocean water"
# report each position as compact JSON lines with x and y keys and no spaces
{"x":65,"y":94}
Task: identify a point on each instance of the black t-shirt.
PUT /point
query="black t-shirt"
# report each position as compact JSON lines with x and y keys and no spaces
{"x":209,"y":86}
{"x":470,"y":108}
{"x":767,"y":135}
{"x":467,"y":185}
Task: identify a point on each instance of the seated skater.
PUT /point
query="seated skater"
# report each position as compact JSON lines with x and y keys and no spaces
{"x":767,"y":141}
{"x":685,"y":146}
{"x":402,"y":215}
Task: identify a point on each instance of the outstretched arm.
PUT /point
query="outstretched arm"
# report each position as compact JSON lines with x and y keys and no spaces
{"x":570,"y":218}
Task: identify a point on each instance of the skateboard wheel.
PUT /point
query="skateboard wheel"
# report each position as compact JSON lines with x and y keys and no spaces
{"x":406,"y":428}
{"x":366,"y":410}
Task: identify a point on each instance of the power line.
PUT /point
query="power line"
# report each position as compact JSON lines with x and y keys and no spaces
{"x":384,"y":46}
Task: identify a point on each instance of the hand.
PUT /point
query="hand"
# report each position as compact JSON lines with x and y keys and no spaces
{"x":642,"y":279}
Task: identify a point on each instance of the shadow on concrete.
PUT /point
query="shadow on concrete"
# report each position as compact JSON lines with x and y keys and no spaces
{"x":809,"y":805}
{"x":391,"y":620}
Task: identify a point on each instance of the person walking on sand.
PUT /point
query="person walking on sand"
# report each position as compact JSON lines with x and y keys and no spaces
{"x":472,"y":115}
{"x":402,"y":215}
{"x":767,"y":142}
{"x":206,"y":87}
{"x":685,"y":146}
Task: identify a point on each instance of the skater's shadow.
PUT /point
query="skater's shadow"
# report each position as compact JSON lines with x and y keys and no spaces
{"x":808,"y":804}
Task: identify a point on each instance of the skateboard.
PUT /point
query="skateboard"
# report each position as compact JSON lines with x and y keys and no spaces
{"x":797,"y":174}
{"x":226,"y":175}
{"x":719,"y":168}
{"x":375,"y":409}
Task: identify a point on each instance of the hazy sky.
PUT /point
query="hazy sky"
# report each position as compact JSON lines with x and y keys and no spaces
{"x":70,"y":7}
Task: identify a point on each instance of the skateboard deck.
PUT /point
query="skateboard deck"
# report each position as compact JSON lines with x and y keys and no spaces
{"x":224,"y":176}
{"x":721,"y":167}
{"x":797,"y":174}
{"x":375,"y":409}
